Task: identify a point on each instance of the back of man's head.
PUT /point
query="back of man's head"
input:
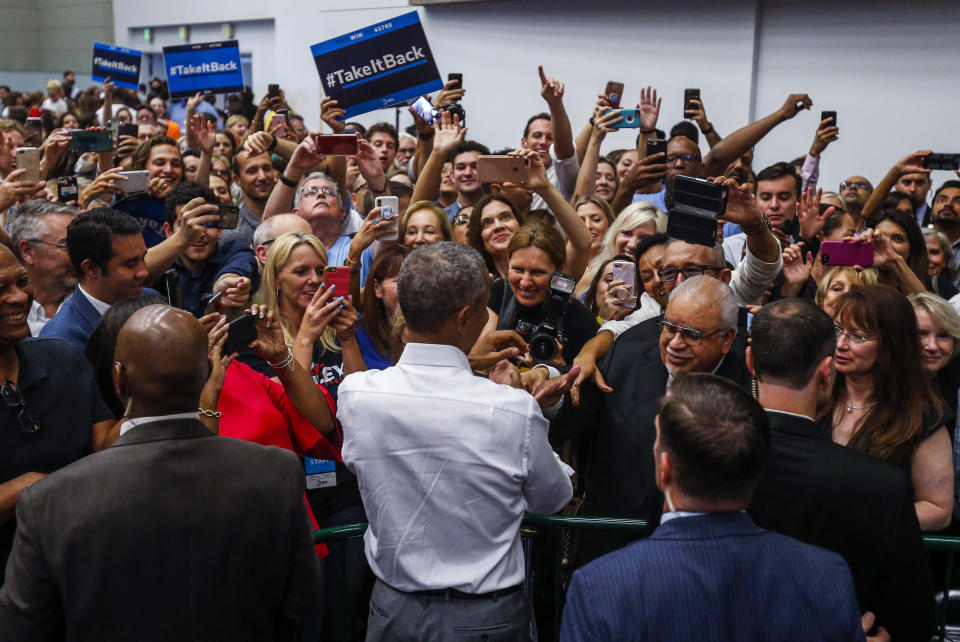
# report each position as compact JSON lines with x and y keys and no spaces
{"x":90,"y":236}
{"x":716,"y":435}
{"x":687,"y":129}
{"x":789,"y":338}
{"x":170,"y":384}
{"x":436,"y":281}
{"x":183,"y":194}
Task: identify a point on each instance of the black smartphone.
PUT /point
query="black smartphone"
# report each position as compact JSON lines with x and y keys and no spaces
{"x":128,"y":129}
{"x":656,"y":146}
{"x":229,"y":216}
{"x":241,"y":332}
{"x":696,"y":204}
{"x":829,"y":114}
{"x":213,"y":305}
{"x":273,"y":90}
{"x":171,"y":279}
{"x":67,"y":189}
{"x":688,"y":95}
{"x":92,"y":141}
{"x":458,"y":78}
{"x":941,"y":161}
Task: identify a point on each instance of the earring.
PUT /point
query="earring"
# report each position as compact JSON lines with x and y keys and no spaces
{"x":278,"y":294}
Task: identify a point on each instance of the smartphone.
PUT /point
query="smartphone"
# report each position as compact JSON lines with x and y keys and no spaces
{"x":688,"y":95}
{"x":424,"y":109}
{"x":128,"y":129}
{"x":458,"y":78}
{"x":829,"y":114}
{"x":696,"y":204}
{"x":500,"y":169}
{"x":625,"y":271}
{"x":34,"y":130}
{"x":213,"y":305}
{"x":67,"y":189}
{"x":171,"y":279}
{"x":390,"y":206}
{"x":846,"y":253}
{"x":229,"y":217}
{"x":631,"y":119}
{"x":28,"y":158}
{"x":273,"y":90}
{"x":136,"y":181}
{"x":92,"y":141}
{"x":336,"y":144}
{"x":656,"y":146}
{"x":113,"y":126}
{"x":339,"y":276}
{"x":280,"y":118}
{"x":614,"y":92}
{"x":241,"y":332}
{"x":941,"y":161}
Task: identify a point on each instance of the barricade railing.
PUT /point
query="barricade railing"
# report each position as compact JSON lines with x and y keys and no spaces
{"x":533,"y":523}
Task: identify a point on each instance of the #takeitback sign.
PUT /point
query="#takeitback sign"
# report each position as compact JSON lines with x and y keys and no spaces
{"x":378,"y":66}
{"x":120,"y":65}
{"x":208,"y":67}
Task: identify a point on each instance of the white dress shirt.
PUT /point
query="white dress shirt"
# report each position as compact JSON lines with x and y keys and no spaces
{"x":37,"y":317}
{"x":447,"y":463}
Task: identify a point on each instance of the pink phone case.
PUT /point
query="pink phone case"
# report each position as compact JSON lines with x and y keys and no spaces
{"x":846,"y":253}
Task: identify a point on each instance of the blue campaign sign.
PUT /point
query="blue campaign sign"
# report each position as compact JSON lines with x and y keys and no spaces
{"x":377,"y":66}
{"x":208,"y":67}
{"x":121,"y":65}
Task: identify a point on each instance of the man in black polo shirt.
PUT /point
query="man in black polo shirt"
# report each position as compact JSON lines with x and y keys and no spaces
{"x":208,"y":265}
{"x":51,"y":412}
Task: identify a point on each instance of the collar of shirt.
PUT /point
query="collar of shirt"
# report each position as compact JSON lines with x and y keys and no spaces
{"x":791,"y":414}
{"x":37,"y":313}
{"x":434,"y":354}
{"x":97,"y":304}
{"x":139,"y":421}
{"x":677,"y":514}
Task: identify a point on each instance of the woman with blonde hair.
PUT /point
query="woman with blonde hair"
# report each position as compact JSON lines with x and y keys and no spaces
{"x":838,"y":281}
{"x":423,"y":223}
{"x":939,"y":326}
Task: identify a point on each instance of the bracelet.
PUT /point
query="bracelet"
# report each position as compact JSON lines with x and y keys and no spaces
{"x":709,"y":129}
{"x":286,"y":361}
{"x":289,"y":182}
{"x":348,"y":261}
{"x":209,"y":413}
{"x":763,"y":225}
{"x":425,"y":136}
{"x":273,"y":145}
{"x":647,"y":131}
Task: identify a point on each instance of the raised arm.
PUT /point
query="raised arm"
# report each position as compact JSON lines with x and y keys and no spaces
{"x":699,"y":115}
{"x":304,"y":158}
{"x":912,"y":164}
{"x":587,"y":177}
{"x":552,"y":91}
{"x":447,"y":136}
{"x":736,"y":144}
{"x":202,"y":133}
{"x":649,"y":107}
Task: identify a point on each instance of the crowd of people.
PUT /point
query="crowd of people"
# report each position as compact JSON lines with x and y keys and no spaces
{"x":489,"y":348}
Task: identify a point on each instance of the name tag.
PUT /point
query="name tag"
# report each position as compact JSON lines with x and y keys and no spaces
{"x":321,"y":473}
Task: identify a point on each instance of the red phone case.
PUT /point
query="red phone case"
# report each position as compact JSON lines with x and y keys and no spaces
{"x":339,"y":276}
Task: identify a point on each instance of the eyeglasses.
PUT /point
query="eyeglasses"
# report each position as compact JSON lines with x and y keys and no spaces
{"x":687,"y":158}
{"x":313,"y":191}
{"x":669,"y":275}
{"x":855,"y":338}
{"x":461,"y":219}
{"x":62,"y":246}
{"x":854,"y":184}
{"x":28,"y":421}
{"x":691,"y":336}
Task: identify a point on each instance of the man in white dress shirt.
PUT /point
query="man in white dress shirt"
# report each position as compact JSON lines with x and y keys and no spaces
{"x":447,"y":464}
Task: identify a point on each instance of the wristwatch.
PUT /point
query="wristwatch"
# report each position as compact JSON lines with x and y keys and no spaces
{"x":759,"y":228}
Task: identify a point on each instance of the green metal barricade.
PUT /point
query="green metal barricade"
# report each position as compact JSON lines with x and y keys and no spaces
{"x":534,"y":523}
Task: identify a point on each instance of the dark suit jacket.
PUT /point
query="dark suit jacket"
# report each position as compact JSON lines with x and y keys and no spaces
{"x":862,"y":508}
{"x":170,"y":534}
{"x":713,"y":578}
{"x":75,"y":320}
{"x":619,"y":427}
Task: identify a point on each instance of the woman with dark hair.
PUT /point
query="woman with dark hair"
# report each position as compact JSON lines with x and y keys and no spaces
{"x":907,"y":240}
{"x":883,"y":402}
{"x":378,"y":305}
{"x":534,"y":253}
{"x":224,"y":143}
{"x":492,"y":223}
{"x":605,"y":296}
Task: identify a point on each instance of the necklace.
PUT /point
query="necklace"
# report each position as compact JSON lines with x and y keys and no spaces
{"x":851,"y":408}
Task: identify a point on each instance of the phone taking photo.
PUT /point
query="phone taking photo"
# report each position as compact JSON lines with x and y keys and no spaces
{"x":832,"y":115}
{"x":502,"y":169}
{"x":28,"y":158}
{"x":458,"y":78}
{"x":67,"y":189}
{"x":689,"y":95}
{"x":339,"y":276}
{"x":241,"y":332}
{"x":846,"y":253}
{"x":656,"y":146}
{"x":613,"y":92}
{"x":336,"y":144}
{"x":389,"y":212}
{"x":625,"y":271}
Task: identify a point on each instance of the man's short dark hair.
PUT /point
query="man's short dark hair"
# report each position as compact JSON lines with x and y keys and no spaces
{"x":183,"y":194}
{"x":7,"y":87}
{"x":779,"y":170}
{"x":946,"y":185}
{"x":142,"y":153}
{"x":189,"y":152}
{"x":717,"y":436}
{"x":649,"y":242}
{"x":540,"y":116}
{"x":468,"y":146}
{"x":90,"y":236}
{"x":686,"y":128}
{"x":385,"y":128}
{"x":789,"y":339}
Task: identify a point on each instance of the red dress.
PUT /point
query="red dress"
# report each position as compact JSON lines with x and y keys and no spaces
{"x":256,"y":408}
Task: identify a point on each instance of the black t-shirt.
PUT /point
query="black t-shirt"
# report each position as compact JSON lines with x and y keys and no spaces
{"x":579,"y":324}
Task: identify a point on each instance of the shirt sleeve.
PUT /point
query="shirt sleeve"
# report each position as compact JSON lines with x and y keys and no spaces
{"x":647,"y":310}
{"x":753,"y":277}
{"x":306,"y":439}
{"x":566,"y":171}
{"x":547,"y":487}
{"x":810,"y":173}
{"x":241,"y":261}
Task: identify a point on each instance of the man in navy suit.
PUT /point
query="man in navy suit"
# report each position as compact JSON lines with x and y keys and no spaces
{"x":107,"y":251}
{"x":708,"y":573}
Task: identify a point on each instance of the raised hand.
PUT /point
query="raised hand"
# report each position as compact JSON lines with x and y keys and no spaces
{"x":551,"y":89}
{"x":237,"y":294}
{"x":448,"y":95}
{"x":345,"y":323}
{"x":552,"y":391}
{"x":269,"y":344}
{"x":741,"y":204}
{"x":537,"y":179}
{"x":603,"y":123}
{"x":14,"y":189}
{"x":201,"y":133}
{"x":645,"y":175}
{"x":331,"y":114}
{"x":447,"y":134}
{"x":159,"y":188}
{"x":649,"y":108}
{"x":258,"y":142}
{"x":305,"y":157}
{"x":106,"y":184}
{"x":826,"y":134}
{"x":808,"y":213}
{"x":322,"y":309}
{"x":793,"y":104}
{"x":698,"y":114}
{"x":495,"y":346}
{"x":192,"y":219}
{"x":796,"y":266}
{"x":913,"y":163}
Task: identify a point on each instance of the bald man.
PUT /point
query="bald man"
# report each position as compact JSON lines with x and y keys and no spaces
{"x":184,"y":535}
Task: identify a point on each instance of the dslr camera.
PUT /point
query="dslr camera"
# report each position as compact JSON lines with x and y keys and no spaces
{"x":456,"y":109}
{"x":542,"y":337}
{"x":696,"y":205}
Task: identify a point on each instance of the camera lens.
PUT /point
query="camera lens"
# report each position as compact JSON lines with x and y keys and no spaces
{"x":543,"y":348}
